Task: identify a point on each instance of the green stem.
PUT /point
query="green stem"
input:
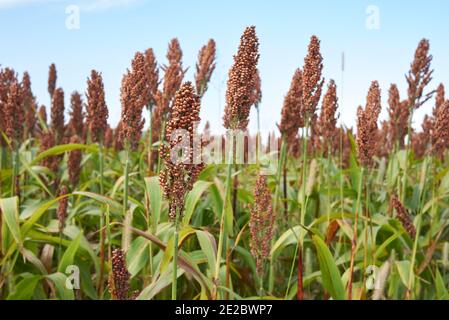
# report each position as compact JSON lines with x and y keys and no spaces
{"x":175,"y":258}
{"x":150,"y":138}
{"x":226,"y":201}
{"x":409,"y":132}
{"x":282,"y":159}
{"x":354,"y":239}
{"x":126,"y":186}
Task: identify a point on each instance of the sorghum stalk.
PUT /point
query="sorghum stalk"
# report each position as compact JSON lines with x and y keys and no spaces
{"x":175,"y":258}
{"x":354,"y":239}
{"x":282,"y":159}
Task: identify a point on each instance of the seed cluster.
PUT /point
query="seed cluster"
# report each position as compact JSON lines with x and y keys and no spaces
{"x":403,"y":216}
{"x":97,"y":110}
{"x":57,"y":113}
{"x":52,"y":76}
{"x":119,"y":279}
{"x":61,"y":212}
{"x":399,"y":113}
{"x":134,"y":92}
{"x":152,"y":77}
{"x":367,"y":125}
{"x":179,"y":174}
{"x":327,"y":121}
{"x":74,"y":163}
{"x":261,"y":223}
{"x":242,"y":81}
{"x":205,"y":67}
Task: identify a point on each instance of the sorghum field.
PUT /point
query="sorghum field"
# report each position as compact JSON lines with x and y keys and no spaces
{"x":94,"y":212}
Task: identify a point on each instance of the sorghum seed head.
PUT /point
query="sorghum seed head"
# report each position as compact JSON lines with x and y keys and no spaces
{"x":419,"y":75}
{"x":29,"y":105}
{"x":327,"y":121}
{"x":367,"y":125}
{"x":74,"y":163}
{"x":76,"y":123}
{"x":179,"y":175}
{"x":52,"y":75}
{"x":205,"y":67}
{"x":152,"y":77}
{"x":403,"y":216}
{"x":61,"y":212}
{"x":13,"y":113}
{"x":119,"y":280}
{"x":261,"y":223}
{"x":399,"y":113}
{"x":291,"y":116}
{"x":312,"y":82}
{"x":134,"y":92}
{"x":440,"y":132}
{"x":57,"y":113}
{"x":241,"y":82}
{"x":97,"y":111}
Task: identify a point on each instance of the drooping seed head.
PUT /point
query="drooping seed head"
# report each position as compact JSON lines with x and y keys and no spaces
{"x":403,"y":216}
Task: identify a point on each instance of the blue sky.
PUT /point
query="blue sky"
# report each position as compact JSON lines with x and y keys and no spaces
{"x":33,"y":34}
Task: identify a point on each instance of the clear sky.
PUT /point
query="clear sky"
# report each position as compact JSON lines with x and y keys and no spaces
{"x":378,"y":38}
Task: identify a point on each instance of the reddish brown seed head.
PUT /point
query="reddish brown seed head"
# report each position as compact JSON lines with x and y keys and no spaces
{"x":76,"y":123}
{"x":367,"y":125}
{"x":403,"y":216}
{"x":180,"y":174}
{"x":312,"y":81}
{"x":327,"y":121}
{"x":57,"y":113}
{"x":291,"y":116}
{"x":119,"y":279}
{"x":440,"y":132}
{"x":399,"y":113}
{"x":261,"y":223}
{"x":241,"y":82}
{"x":205,"y":67}
{"x":419,"y":75}
{"x":13,"y":114}
{"x":97,"y":110}
{"x":152,"y":71}
{"x":74,"y":163}
{"x":52,"y":75}
{"x":61,"y":212}
{"x":29,"y":105}
{"x":134,"y":92}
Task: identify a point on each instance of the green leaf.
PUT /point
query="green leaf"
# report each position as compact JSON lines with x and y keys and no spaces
{"x":10,"y":212}
{"x":403,"y":268}
{"x":69,"y":254}
{"x":441,"y":290}
{"x":57,"y":150}
{"x":114,"y":205}
{"x":329,"y":272}
{"x":168,"y":254}
{"x":137,"y":255}
{"x":289,"y":237}
{"x":62,"y":292}
{"x":208,"y":246}
{"x":154,"y":194}
{"x":25,"y":288}
{"x":192,"y":199}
